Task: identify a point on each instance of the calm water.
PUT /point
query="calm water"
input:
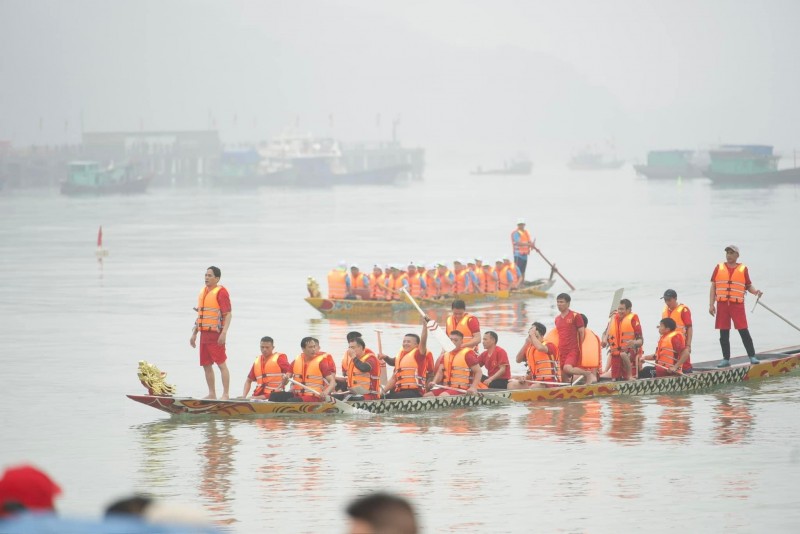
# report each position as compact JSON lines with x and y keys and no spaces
{"x":726,"y":459}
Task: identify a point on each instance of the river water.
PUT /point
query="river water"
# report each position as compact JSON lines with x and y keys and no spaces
{"x":75,"y":330}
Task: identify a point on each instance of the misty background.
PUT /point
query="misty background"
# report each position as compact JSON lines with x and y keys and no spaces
{"x":470,"y":82}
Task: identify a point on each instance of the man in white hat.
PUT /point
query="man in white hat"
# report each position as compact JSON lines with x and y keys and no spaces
{"x":522,"y":243}
{"x":729,"y":283}
{"x":357,"y":284}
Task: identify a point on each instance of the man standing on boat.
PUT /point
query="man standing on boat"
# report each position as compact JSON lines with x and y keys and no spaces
{"x":495,"y":359}
{"x":729,"y":282}
{"x":467,"y":324}
{"x":522,"y":244}
{"x":571,"y":331}
{"x":213,"y":319}
{"x":680,"y":314}
{"x":623,"y":337}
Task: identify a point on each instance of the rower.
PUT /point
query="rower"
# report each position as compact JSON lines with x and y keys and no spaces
{"x":270,"y":371}
{"x":363,"y":380}
{"x":541,"y":357}
{"x":314,"y":369}
{"x":672,"y":356}
{"x":413,"y":367}
{"x":459,"y":370}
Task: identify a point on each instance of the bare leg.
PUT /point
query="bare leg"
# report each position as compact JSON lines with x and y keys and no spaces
{"x":588,"y":376}
{"x":212,"y":390}
{"x":625,"y":360}
{"x":226,"y":380}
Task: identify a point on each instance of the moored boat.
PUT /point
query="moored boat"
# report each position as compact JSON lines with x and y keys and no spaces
{"x":514,"y":167}
{"x":592,"y":161}
{"x":748,"y":165}
{"x":671,"y":164}
{"x":90,"y":178}
{"x":537,"y":289}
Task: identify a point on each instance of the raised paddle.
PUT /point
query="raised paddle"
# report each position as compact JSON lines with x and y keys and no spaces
{"x":552,"y":265}
{"x":382,"y":363}
{"x":432,"y":326}
{"x":778,"y":315}
{"x":343,"y":406}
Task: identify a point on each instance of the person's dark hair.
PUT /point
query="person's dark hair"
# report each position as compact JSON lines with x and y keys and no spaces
{"x":627,"y":303}
{"x":305,"y":341}
{"x":585,"y":319}
{"x":415,"y":336}
{"x":458,"y":333}
{"x":493,"y":335}
{"x":385,"y":513}
{"x":564,"y":296}
{"x":458,"y":304}
{"x":669,"y":323}
{"x":540,"y":328}
{"x":129,"y":506}
{"x":216,"y":271}
{"x":353,"y":335}
{"x":360,"y":342}
{"x":267,"y":339}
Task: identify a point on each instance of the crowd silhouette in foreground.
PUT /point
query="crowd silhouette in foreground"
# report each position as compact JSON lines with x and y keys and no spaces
{"x":27,"y":506}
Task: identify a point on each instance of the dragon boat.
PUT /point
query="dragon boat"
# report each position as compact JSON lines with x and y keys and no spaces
{"x":705,"y":377}
{"x":536,"y":289}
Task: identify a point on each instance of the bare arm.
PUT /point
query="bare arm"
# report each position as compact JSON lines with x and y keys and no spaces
{"x":474,"y":342}
{"x":498,"y":374}
{"x":476,"y":379}
{"x":712,"y":300}
{"x":521,"y":354}
{"x":247,"y":385}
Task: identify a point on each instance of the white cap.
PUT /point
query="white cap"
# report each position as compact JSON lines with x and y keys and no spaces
{"x":354,"y":266}
{"x":520,"y":221}
{"x":342,"y":264}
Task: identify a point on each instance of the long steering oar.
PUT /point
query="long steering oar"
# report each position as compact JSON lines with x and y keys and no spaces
{"x":432,"y":326}
{"x":343,"y":406}
{"x":552,"y":266}
{"x":778,"y":315}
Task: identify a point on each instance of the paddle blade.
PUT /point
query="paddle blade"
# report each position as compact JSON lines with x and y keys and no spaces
{"x":615,"y":300}
{"x":441,"y":336}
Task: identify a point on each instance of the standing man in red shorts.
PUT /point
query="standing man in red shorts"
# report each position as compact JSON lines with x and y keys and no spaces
{"x":729,"y":282}
{"x":571,"y":331}
{"x":213,"y":320}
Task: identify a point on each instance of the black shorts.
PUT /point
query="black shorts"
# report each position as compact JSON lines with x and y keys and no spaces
{"x":498,"y":383}
{"x":404,"y":394}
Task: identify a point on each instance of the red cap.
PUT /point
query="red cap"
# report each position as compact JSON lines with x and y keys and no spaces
{"x":28,"y":486}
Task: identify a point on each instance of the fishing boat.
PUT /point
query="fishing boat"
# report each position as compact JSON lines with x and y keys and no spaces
{"x":749,"y":165}
{"x":535,"y":289}
{"x":671,"y":164}
{"x":593,"y":161}
{"x":706,"y":377}
{"x":514,"y":167}
{"x":92,"y":178}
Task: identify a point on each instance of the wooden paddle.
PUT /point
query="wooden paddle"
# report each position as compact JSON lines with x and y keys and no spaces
{"x":778,"y":315}
{"x":384,"y":377}
{"x":548,"y":382}
{"x":552,"y":266}
{"x":343,"y":406}
{"x":432,"y":326}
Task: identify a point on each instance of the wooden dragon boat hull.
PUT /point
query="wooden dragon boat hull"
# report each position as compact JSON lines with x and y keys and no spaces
{"x":243,"y":407}
{"x":705,"y":377}
{"x":371,"y":307}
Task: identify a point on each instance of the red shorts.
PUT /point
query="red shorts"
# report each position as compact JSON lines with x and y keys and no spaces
{"x":570,"y":359}
{"x":616,"y":366}
{"x":727,"y":311}
{"x":210,"y":351}
{"x":437,"y":392}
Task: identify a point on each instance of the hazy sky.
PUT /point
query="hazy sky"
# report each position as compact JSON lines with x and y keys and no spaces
{"x":469,"y":80}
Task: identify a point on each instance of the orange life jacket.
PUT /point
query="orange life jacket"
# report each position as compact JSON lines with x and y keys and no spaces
{"x":445,"y":285}
{"x":520,"y":249}
{"x":665,"y":354}
{"x":309,"y":374}
{"x":415,"y":285}
{"x":457,"y":373}
{"x":502,"y":278}
{"x":209,"y":316}
{"x":368,"y":380}
{"x":406,"y":371}
{"x":543,"y":366}
{"x":462,"y":326}
{"x":376,"y":284}
{"x":591,"y":351}
{"x":357,"y":282}
{"x":430,"y":281}
{"x":395,"y":282}
{"x":460,"y":282}
{"x":730,"y":286}
{"x":675,"y":315}
{"x":620,"y":332}
{"x":488,"y":280}
{"x":337,"y":288}
{"x":268,"y":374}
{"x":515,"y":274}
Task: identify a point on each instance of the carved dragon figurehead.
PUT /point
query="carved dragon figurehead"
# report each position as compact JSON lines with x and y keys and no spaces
{"x":313,"y":288}
{"x":153,"y":379}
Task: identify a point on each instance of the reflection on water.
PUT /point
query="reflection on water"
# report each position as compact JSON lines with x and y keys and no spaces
{"x":675,"y":420}
{"x":626,"y":420}
{"x":734,"y":422}
{"x":218,"y":448}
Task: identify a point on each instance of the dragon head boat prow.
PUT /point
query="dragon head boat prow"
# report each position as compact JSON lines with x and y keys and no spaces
{"x":313,"y":288}
{"x":153,"y":379}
